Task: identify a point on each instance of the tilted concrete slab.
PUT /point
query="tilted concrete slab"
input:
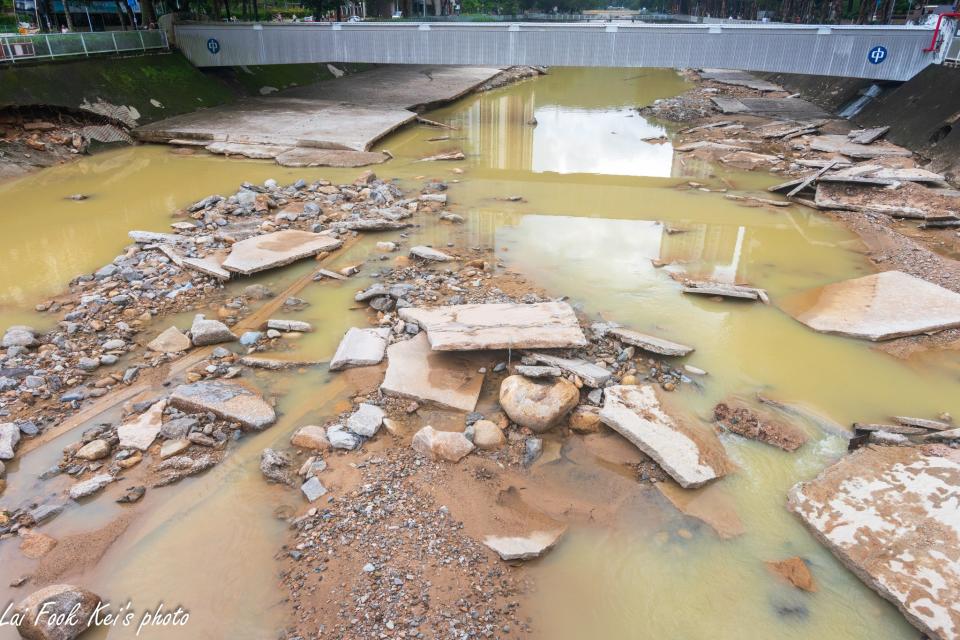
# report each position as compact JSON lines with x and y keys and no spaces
{"x":650,"y":343}
{"x":468,"y":327}
{"x":881,"y":306}
{"x":283,"y":122}
{"x":892,"y":516}
{"x":691,"y":454}
{"x":227,"y":400}
{"x":309,"y":157}
{"x":447,"y":379}
{"x":276,"y":249}
{"x":349,"y":113}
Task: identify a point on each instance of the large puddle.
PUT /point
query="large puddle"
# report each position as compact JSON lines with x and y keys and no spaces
{"x":601,"y":200}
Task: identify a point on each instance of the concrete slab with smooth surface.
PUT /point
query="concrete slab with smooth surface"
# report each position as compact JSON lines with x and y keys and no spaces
{"x":881,"y":306}
{"x":276,"y":249}
{"x":447,"y":379}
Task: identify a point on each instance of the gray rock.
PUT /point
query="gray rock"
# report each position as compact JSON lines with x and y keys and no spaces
{"x":227,"y":400}
{"x":114,"y":345}
{"x":429,"y":254}
{"x":88,"y":364}
{"x":28,"y":428}
{"x":204,"y":332}
{"x":90,"y":487}
{"x":9,"y":438}
{"x":46,"y":512}
{"x":274,"y":465}
{"x":340,"y":438}
{"x":533,"y":371}
{"x":18,"y":337}
{"x":108,"y":359}
{"x":313,"y":489}
{"x":533,"y":448}
{"x":250,"y":338}
{"x":366,"y":420}
{"x":289,"y":325}
{"x":178,"y":428}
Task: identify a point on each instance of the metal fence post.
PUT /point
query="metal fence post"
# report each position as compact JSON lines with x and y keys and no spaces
{"x":84,"y":43}
{"x":113,"y":35}
{"x":143,"y":46}
{"x":49,"y":50}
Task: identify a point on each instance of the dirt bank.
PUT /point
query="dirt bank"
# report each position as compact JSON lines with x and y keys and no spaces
{"x":766,"y":130}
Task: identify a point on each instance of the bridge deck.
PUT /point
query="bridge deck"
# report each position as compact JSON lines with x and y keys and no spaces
{"x":883,"y":53}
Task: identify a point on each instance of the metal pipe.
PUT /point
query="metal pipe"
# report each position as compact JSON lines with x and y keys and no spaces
{"x":936,"y":30}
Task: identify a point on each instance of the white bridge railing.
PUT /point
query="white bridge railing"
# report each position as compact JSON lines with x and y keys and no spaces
{"x":49,"y":46}
{"x":875,"y":52}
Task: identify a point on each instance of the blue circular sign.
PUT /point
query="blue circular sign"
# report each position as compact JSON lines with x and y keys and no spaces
{"x":877,"y":55}
{"x":213,"y":46}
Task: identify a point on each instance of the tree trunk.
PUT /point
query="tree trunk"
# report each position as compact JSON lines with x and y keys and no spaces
{"x":67,"y":16}
{"x":256,"y":11}
{"x":123,"y":26}
{"x":147,"y":13}
{"x":226,"y":6}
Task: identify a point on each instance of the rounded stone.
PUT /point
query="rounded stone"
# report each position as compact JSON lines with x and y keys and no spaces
{"x":537,"y":404}
{"x":585,"y":419}
{"x":487,"y":435}
{"x":57,"y":602}
{"x":94,"y":450}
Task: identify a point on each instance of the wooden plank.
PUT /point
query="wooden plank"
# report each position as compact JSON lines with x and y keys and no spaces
{"x":803,"y":185}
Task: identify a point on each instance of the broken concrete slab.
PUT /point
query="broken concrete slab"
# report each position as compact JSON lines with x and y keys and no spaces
{"x":709,"y":145}
{"x":892,"y":516}
{"x":710,"y":504}
{"x":366,"y":420}
{"x":841,"y":144}
{"x":89,"y":487}
{"x":416,"y":371}
{"x":525,"y":547}
{"x":881,"y":306}
{"x":725,"y":290}
{"x":277,"y":249}
{"x":739,"y":79}
{"x":592,"y":375}
{"x":311,"y":157}
{"x":140,"y":433}
{"x":298,"y":326}
{"x":228,"y":400}
{"x":650,"y":343}
{"x":430,"y":254}
{"x":924,"y":423}
{"x":691,"y":454}
{"x":360,"y":348}
{"x":758,"y":424}
{"x":211,"y":265}
{"x":247,"y":150}
{"x":371,"y":224}
{"x":778,"y":108}
{"x":470,"y":327}
{"x":867,"y":136}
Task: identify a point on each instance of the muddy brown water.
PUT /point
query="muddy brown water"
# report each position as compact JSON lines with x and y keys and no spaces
{"x":599,"y":204}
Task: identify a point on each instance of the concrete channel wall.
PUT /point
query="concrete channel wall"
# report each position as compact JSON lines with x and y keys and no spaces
{"x":923,"y":113}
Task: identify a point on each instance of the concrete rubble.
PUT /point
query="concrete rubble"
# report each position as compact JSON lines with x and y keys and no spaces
{"x":892,"y":516}
{"x":881,"y":306}
{"x":471,"y":327}
{"x":415,"y":371}
{"x":227,"y":400}
{"x":691,"y":455}
{"x":140,"y":433}
{"x":360,"y":348}
{"x":650,"y":343}
{"x":276,"y":249}
{"x":527,"y":547}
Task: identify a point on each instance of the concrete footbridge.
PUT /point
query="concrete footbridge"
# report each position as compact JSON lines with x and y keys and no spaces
{"x":876,"y":52}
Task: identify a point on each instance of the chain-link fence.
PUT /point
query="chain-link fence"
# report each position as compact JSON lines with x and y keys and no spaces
{"x":53,"y":46}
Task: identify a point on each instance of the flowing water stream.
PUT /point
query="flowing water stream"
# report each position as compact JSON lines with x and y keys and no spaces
{"x":599,"y":202}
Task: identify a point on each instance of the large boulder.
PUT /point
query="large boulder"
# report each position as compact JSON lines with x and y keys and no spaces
{"x":537,"y":404}
{"x":57,"y":612}
{"x":441,"y":445}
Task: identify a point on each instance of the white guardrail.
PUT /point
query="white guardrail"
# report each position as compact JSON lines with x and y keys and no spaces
{"x":51,"y":46}
{"x":875,"y":52}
